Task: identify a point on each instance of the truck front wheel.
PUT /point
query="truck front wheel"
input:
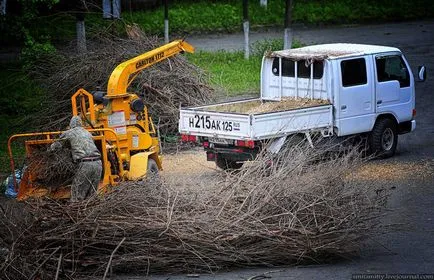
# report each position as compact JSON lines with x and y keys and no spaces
{"x":225,"y":164}
{"x":383,"y":138}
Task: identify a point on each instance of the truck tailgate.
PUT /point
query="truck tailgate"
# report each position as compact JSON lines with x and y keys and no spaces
{"x":197,"y":121}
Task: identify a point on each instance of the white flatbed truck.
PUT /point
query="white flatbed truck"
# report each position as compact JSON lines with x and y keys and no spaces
{"x":333,"y":89}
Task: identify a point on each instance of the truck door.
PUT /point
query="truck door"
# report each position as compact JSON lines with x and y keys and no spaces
{"x":393,"y":86}
{"x":355,"y":108}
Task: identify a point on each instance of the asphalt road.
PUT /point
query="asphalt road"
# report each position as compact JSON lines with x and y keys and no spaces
{"x":411,"y":248}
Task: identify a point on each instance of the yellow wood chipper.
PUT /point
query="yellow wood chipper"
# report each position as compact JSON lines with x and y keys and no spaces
{"x":119,"y":121}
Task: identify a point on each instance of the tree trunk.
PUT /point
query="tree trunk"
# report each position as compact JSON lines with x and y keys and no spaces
{"x":166,"y":21}
{"x":81,"y":33}
{"x":287,"y":37}
{"x":246,"y":28}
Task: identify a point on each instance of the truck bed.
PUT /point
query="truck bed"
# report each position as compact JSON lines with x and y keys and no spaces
{"x":257,"y":106}
{"x":255,"y":119}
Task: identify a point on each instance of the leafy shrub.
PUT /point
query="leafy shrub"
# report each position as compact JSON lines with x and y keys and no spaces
{"x":35,"y":51}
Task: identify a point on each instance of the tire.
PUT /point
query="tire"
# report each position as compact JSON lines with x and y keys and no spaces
{"x":152,"y":167}
{"x":225,"y":164}
{"x":383,"y":139}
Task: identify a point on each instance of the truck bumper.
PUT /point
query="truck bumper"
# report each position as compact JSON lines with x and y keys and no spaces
{"x":234,"y":154}
{"x":406,"y":127}
{"x":413,"y":125}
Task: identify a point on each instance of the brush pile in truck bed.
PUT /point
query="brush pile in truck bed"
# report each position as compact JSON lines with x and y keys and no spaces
{"x":52,"y":169}
{"x":294,"y":211}
{"x":287,"y":104}
{"x":257,"y":106}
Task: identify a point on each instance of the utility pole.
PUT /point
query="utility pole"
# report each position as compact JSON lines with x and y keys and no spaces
{"x":81,"y":33}
{"x":166,"y":21}
{"x":246,"y":27}
{"x":287,"y":37}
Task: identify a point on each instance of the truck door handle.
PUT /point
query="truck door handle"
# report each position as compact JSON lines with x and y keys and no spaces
{"x":379,"y":102}
{"x":343,"y":107}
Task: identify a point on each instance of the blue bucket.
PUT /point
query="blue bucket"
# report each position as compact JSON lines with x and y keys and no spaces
{"x":9,"y":183}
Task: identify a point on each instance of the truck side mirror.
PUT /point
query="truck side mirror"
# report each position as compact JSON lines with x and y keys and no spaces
{"x":421,"y":72}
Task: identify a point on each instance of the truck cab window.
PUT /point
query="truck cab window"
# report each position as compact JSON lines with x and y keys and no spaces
{"x":287,"y":67}
{"x":392,"y":68}
{"x":353,"y":72}
{"x":303,"y":71}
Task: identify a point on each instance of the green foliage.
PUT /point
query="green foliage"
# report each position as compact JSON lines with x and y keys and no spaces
{"x":19,"y":99}
{"x":230,"y":71}
{"x":17,"y":27}
{"x":34,"y":51}
{"x":346,"y":11}
{"x":190,"y":17}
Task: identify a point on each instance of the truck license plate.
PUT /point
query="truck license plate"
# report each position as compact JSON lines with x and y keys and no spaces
{"x":205,"y":122}
{"x":221,"y":141}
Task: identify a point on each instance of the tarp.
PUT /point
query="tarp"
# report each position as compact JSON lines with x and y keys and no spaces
{"x":305,"y":54}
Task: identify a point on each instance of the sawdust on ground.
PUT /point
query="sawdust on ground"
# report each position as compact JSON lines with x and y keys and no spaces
{"x":394,"y":170}
{"x":190,"y":169}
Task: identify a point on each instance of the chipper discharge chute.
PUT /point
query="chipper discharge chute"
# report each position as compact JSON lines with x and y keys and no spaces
{"x":121,"y":127}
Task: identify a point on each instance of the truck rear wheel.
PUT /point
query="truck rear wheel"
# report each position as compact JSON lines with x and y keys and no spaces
{"x":225,"y":164}
{"x":383,"y":138}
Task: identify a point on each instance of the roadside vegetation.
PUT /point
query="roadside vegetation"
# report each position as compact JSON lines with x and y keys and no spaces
{"x":20,"y":98}
{"x":226,"y":15}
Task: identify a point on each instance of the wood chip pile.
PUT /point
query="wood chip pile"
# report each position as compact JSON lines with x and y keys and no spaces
{"x":396,"y":170}
{"x":293,"y":211}
{"x":257,"y":107}
{"x":164,"y":86}
{"x":287,"y":104}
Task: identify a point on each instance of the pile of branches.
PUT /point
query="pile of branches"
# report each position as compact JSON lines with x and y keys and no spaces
{"x":52,"y":169}
{"x":291,"y":211}
{"x":164,"y":86}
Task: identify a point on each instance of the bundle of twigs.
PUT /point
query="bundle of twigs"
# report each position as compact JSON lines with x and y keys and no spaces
{"x":164,"y":86}
{"x":274,"y":211}
{"x":51,"y":169}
